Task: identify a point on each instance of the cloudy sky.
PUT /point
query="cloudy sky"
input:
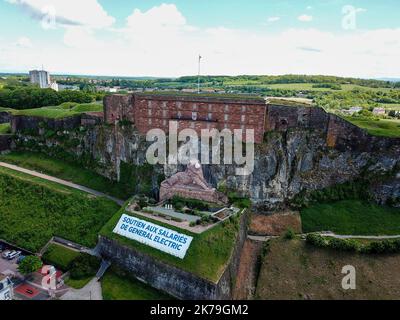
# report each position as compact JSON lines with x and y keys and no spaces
{"x":154,"y":38}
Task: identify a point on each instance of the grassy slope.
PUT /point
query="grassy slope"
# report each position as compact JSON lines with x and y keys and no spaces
{"x":117,"y":287}
{"x":383,"y":127}
{"x":207,"y":256}
{"x":61,"y":111}
{"x":5,"y":128}
{"x":351,"y":217}
{"x":33,"y":210}
{"x":64,"y":170}
{"x":60,"y":256}
{"x":294,"y":270}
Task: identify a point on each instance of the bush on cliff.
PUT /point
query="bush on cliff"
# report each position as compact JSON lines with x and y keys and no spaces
{"x":353,"y":245}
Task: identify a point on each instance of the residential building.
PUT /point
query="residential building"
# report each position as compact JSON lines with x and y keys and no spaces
{"x":6,"y":288}
{"x":42,"y":78}
{"x":354,"y":110}
{"x":379,"y":111}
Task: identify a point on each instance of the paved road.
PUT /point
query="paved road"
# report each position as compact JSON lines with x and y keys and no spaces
{"x":92,"y":291}
{"x":60,"y":181}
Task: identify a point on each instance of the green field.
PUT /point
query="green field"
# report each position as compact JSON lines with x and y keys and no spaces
{"x":351,"y":217}
{"x":207,"y":256}
{"x":33,"y":210}
{"x":60,"y":256}
{"x":67,"y":171}
{"x":62,"y":111}
{"x":381,"y":127}
{"x":5,"y":128}
{"x":122,"y":287}
{"x":309,"y":87}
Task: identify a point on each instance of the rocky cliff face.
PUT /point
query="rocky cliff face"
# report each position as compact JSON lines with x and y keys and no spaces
{"x":285,"y":164}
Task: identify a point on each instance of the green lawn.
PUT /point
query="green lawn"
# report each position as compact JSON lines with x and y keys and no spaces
{"x":351,"y":217}
{"x":5,"y":128}
{"x":62,"y":111}
{"x":77,"y":284}
{"x":207,"y":256}
{"x":60,"y":256}
{"x":382,"y":127}
{"x":67,"y":171}
{"x":117,"y":287}
{"x":33,"y":210}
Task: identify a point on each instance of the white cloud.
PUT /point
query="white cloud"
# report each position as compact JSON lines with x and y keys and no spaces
{"x":24,"y":42}
{"x":305,"y":18}
{"x":273,"y":19}
{"x":161,"y":42}
{"x":309,"y":7}
{"x":72,"y":12}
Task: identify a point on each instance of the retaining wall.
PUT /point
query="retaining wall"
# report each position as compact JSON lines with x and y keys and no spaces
{"x":176,"y":282}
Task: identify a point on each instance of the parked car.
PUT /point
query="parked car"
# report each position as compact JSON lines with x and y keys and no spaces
{"x":19,"y":260}
{"x":5,"y":254}
{"x":14,"y":254}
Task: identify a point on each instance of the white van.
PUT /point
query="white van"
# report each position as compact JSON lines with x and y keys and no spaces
{"x":14,"y":255}
{"x":5,"y":254}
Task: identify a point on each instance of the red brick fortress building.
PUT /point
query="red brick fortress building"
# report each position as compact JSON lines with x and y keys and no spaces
{"x":155,"y":110}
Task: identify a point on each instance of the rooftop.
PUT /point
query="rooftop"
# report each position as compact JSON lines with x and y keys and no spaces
{"x":204,"y":96}
{"x":290,"y":102}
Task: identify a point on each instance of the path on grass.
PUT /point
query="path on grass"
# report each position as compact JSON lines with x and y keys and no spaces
{"x":60,"y":181}
{"x":338,"y":236}
{"x":326,"y":234}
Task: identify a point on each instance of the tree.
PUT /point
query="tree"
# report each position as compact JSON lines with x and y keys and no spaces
{"x":29,"y":265}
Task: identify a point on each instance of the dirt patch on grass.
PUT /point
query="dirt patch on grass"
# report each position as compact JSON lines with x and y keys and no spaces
{"x":294,"y":270}
{"x":275,"y":225}
{"x":248,"y":270}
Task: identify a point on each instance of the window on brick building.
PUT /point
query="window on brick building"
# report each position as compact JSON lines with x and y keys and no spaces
{"x":226,"y":108}
{"x":150,"y":121}
{"x":243,"y":108}
{"x":179,"y":114}
{"x":243,"y":118}
{"x":210,"y":107}
{"x":194,"y":106}
{"x":209,"y":116}
{"x":194,"y":116}
{"x":150,"y":112}
{"x":164,"y":113}
{"x":226,"y":117}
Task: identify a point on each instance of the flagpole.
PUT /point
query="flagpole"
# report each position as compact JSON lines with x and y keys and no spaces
{"x":198,"y":80}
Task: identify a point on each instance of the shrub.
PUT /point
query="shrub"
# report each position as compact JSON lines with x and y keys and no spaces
{"x":84,"y":266}
{"x":289,"y":234}
{"x":352,"y":245}
{"x":343,"y":244}
{"x":316,"y":240}
{"x":29,"y":265}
